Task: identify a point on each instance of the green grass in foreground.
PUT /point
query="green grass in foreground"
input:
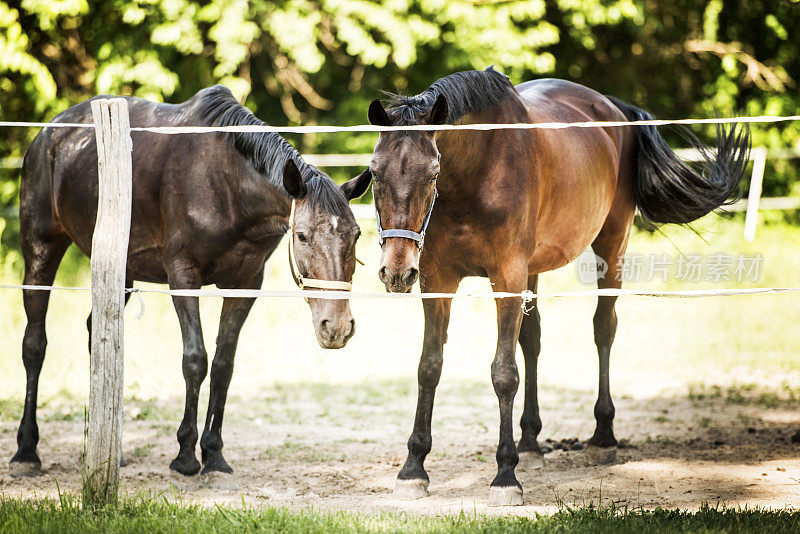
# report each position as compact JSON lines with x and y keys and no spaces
{"x":157,"y":515}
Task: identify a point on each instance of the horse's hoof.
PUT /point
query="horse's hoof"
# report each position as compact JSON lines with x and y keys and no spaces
{"x":186,"y":468}
{"x":220,"y":481}
{"x":25,"y":469}
{"x":531,"y":460}
{"x":216,"y":464}
{"x":602,"y":455}
{"x":505,"y":496}
{"x":411,"y":489}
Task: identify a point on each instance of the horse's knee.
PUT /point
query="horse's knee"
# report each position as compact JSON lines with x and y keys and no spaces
{"x":505,"y":379}
{"x":430,"y":369}
{"x":221,"y":370}
{"x":34,"y":344}
{"x":195,"y":364}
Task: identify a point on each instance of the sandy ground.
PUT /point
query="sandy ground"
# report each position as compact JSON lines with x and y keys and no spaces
{"x":338,"y":447}
{"x":707,"y":394}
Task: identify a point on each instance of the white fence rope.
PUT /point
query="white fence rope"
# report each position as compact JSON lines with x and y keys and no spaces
{"x":339,"y":295}
{"x":417,"y":127}
{"x":526,"y":296}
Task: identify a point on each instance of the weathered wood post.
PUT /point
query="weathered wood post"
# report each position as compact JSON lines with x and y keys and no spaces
{"x":109,"y":258}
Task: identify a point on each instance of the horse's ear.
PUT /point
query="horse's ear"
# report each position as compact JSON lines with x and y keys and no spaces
{"x":293,"y":180}
{"x":357,"y":186}
{"x":377,"y":114}
{"x":439,"y":111}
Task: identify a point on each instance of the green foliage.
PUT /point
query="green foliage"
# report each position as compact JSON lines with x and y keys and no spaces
{"x":153,"y":514}
{"x":322,"y":61}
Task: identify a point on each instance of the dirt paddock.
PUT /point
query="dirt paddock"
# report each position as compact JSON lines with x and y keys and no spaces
{"x":340,"y":447}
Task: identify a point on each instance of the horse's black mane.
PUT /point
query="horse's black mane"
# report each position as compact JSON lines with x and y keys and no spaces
{"x":466,"y":92}
{"x":268,"y":152}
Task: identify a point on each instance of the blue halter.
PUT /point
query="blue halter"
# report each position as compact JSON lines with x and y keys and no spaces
{"x":408,"y":234}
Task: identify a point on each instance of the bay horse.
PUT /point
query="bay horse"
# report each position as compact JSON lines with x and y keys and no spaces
{"x":207,"y":209}
{"x":515,"y":203}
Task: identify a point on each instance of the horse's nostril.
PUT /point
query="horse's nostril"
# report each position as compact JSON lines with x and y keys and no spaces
{"x":411,"y":276}
{"x":323,"y":325}
{"x":382,"y":273}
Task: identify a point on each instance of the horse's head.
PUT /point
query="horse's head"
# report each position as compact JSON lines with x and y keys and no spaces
{"x":324,"y":235}
{"x":404,"y":169}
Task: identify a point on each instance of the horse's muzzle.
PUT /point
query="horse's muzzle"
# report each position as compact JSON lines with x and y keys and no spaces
{"x":334,"y":333}
{"x":398,"y":282}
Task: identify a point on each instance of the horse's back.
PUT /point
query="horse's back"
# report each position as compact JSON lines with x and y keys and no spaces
{"x":551,"y":99}
{"x":172,"y":176}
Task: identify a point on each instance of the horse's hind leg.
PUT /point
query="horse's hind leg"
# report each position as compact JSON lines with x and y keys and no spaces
{"x":610,"y":246}
{"x":43,"y":253}
{"x":234,"y":314}
{"x":530,"y":333}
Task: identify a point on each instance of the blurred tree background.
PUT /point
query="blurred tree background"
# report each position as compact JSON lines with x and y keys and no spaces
{"x":322,"y":61}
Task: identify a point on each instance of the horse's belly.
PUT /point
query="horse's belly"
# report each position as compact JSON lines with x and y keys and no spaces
{"x":567,"y":231}
{"x":550,"y":256}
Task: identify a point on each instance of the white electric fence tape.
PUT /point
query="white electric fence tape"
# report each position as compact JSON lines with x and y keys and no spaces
{"x":418,"y":127}
{"x":338,"y":295}
{"x":526,"y":296}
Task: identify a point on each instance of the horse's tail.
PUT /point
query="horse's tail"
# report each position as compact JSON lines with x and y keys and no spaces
{"x":667,"y":190}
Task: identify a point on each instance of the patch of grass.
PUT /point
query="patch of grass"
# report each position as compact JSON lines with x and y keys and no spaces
{"x":661,"y":439}
{"x":481,"y":458}
{"x":700,"y":392}
{"x":661,"y":419}
{"x":157,"y":515}
{"x":745,"y":394}
{"x":10,"y":409}
{"x":59,"y":415}
{"x":146,"y":410}
{"x":143,"y":451}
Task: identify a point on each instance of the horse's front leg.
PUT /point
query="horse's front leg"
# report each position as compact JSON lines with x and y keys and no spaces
{"x":512,"y":277}
{"x":234,"y":313}
{"x":195,"y":366}
{"x":412,"y":481}
{"x":530,"y":333}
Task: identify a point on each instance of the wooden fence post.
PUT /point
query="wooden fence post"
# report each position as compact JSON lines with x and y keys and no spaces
{"x":109,"y":259}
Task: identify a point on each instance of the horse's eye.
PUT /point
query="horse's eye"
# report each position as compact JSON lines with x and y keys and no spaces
{"x":435,"y":176}
{"x":302,"y":237}
{"x":374,"y":176}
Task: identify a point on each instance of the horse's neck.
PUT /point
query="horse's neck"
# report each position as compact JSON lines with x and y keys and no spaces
{"x":469,"y":155}
{"x":260,"y":198}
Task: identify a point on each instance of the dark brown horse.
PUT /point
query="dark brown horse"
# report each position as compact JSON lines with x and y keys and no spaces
{"x":515,"y":203}
{"x":207,"y":209}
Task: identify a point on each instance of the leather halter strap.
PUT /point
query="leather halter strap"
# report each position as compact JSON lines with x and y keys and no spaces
{"x":419,"y":237}
{"x":302,"y":282}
